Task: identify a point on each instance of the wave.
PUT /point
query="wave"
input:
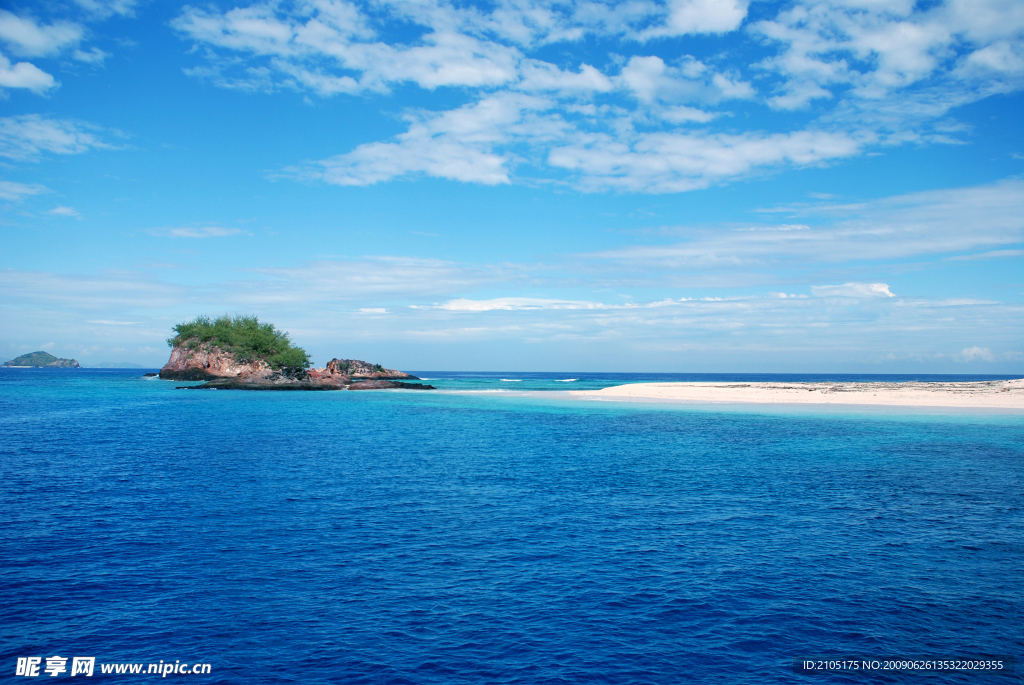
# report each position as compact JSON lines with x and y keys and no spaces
{"x":567,"y":380}
{"x":512,"y":380}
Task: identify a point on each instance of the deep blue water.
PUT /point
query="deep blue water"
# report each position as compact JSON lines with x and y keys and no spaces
{"x":410,"y":537}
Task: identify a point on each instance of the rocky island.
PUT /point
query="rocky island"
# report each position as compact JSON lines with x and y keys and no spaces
{"x":240,"y":353}
{"x":42,"y":359}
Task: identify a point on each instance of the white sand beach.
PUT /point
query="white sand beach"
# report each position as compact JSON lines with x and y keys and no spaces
{"x":966,"y":395}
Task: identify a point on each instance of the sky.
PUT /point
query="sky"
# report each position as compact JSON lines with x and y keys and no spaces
{"x":817,"y":186}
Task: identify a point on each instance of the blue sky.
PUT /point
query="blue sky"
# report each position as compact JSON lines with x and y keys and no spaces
{"x":691,"y":185}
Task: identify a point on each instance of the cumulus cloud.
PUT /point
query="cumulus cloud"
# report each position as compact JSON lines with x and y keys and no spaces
{"x":477,"y":142}
{"x":27,"y":137}
{"x":61,"y":210}
{"x":459,"y":145}
{"x":883,"y":73}
{"x":24,"y":75}
{"x":538,"y":76}
{"x":26,"y":37}
{"x":650,"y":79}
{"x":311,"y":44}
{"x":870,"y":51}
{"x":700,"y":16}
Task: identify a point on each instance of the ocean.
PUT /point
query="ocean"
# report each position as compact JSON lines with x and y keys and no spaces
{"x":478,"y":535}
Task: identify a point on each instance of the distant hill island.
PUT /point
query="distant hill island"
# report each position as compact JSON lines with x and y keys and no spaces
{"x":241,"y":353}
{"x":42,"y":359}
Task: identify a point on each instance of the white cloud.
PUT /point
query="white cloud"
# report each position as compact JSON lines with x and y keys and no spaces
{"x":317,"y":39}
{"x":873,"y":53}
{"x":538,"y":76}
{"x":92,"y":56}
{"x":981,"y":21}
{"x":196,"y":232}
{"x":522,"y":304}
{"x":27,"y":36}
{"x":514,"y":304}
{"x":700,"y":16}
{"x":28,"y":136}
{"x":76,"y":292}
{"x":416,"y":151}
{"x":412,"y":300}
{"x":929,"y":223}
{"x":970,"y":354}
{"x":884,"y":73}
{"x":458,"y":145}
{"x":478,"y":142}
{"x":650,"y":79}
{"x":991,"y":254}
{"x":674,"y":162}
{"x":855,"y":290}
{"x":683,"y":114}
{"x":24,"y":75}
{"x":104,"y":8}
{"x":60,"y":210}
{"x":329,"y":48}
{"x":9,"y":190}
{"x":372,"y":281}
{"x":24,"y":36}
{"x":1000,"y":60}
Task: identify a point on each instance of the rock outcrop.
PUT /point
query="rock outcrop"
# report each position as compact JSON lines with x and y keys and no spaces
{"x":355,"y":368}
{"x":206,"y":362}
{"x":222,"y":370}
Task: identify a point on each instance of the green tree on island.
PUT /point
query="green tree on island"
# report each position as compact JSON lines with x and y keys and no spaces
{"x":243,"y":336}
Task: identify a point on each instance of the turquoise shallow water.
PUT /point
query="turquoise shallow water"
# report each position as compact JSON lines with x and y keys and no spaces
{"x":518,"y":381}
{"x":407,"y":537}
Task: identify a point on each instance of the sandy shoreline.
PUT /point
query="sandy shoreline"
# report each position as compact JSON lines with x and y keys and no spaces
{"x":965,"y":395}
